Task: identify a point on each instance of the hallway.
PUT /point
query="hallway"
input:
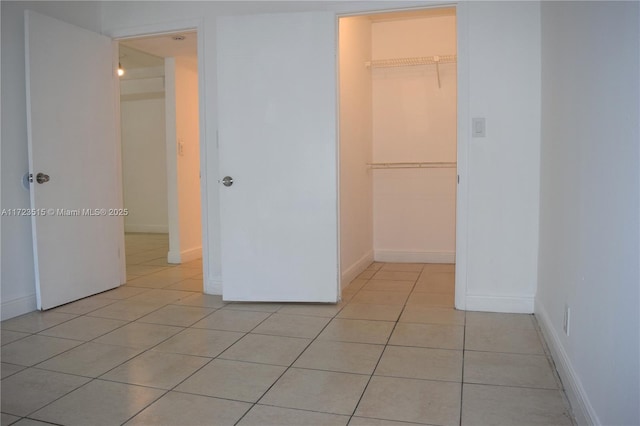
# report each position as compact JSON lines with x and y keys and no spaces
{"x":158,"y":351}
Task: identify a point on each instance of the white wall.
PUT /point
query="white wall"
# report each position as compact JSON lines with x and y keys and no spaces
{"x":144,"y":160}
{"x":503,"y":48}
{"x":589,"y":211}
{"x":188,"y":158}
{"x":501,"y":183}
{"x":414,"y":121}
{"x":356,"y":191}
{"x":17,"y":274}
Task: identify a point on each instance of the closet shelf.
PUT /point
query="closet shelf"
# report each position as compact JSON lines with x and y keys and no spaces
{"x":410,"y":62}
{"x":416,"y":165}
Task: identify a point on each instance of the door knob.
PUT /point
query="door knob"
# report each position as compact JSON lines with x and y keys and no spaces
{"x":227,"y":181}
{"x":42,"y":178}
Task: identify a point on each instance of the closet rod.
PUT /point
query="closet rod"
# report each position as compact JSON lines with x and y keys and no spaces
{"x":408,"y":62}
{"x":417,"y":165}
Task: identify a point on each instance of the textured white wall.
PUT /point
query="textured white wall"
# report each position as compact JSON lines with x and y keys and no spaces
{"x":588,"y":256}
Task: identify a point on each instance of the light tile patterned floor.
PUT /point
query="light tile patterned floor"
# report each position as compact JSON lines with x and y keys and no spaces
{"x":158,"y":352}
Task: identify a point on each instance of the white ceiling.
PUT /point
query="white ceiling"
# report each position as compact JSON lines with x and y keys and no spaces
{"x":148,"y":52}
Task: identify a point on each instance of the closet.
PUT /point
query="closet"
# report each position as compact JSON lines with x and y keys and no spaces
{"x":398,"y":122}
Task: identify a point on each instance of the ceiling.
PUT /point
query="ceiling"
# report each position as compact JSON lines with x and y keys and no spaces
{"x":149,"y":52}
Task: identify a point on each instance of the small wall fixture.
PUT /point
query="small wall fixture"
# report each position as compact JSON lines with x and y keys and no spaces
{"x":120,"y":70}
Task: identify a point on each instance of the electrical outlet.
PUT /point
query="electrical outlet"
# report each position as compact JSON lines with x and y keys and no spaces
{"x":567,"y":319}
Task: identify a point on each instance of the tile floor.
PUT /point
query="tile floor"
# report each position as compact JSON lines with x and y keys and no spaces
{"x":158,"y":352}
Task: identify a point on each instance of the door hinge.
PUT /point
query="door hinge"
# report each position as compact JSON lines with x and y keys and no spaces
{"x":30,"y":177}
{"x":458,"y":178}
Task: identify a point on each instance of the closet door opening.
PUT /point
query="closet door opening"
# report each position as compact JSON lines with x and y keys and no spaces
{"x":398,"y":154}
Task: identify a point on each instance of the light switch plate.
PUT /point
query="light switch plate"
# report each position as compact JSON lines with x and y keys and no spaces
{"x":478,"y":127}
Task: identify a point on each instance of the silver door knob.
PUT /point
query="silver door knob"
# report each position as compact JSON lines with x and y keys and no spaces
{"x":227,"y":181}
{"x":42,"y":178}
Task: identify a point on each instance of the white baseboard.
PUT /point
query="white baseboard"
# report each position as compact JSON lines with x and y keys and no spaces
{"x":184,"y":256}
{"x":213,"y":286}
{"x":414,"y":256}
{"x":356,"y":269}
{"x":147,"y":229}
{"x":496,"y":303}
{"x":583,"y":411}
{"x":19,"y":306}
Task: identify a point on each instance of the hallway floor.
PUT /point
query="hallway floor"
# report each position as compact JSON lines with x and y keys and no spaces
{"x":158,"y":352}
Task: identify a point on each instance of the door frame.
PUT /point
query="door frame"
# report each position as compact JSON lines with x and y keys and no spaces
{"x":462,"y":142}
{"x":197,"y":25}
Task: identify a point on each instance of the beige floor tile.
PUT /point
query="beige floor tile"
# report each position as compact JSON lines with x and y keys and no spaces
{"x":428,"y":336}
{"x":389,"y":285}
{"x":359,"y":358}
{"x":36,"y":321}
{"x":436,"y":282}
{"x":366,"y":275}
{"x":231,"y":320}
{"x":499,"y":320}
{"x":8,"y":419}
{"x":199,"y":342}
{"x":139,"y":335}
{"x":129,"y":310}
{"x":292,"y":326}
{"x":176,"y":408}
{"x":356,"y":284}
{"x":313,"y":390}
{"x":30,"y":422}
{"x":375,"y":266}
{"x":156,"y":369}
{"x":143,"y":269}
{"x":402,"y":267}
{"x":34,"y":349}
{"x":203,"y":300}
{"x":275,"y":350}
{"x":10,"y":369}
{"x":163,"y":296}
{"x":409,"y":400}
{"x":123,"y":292}
{"x":263,"y":415}
{"x":181,"y":316}
{"x":194,"y":264}
{"x":442,"y":300}
{"x":8,"y":336}
{"x":327,"y":310}
{"x":439,"y":267}
{"x":83,"y":328}
{"x":532,"y":371}
{"x":429,"y":315}
{"x":84,"y":306}
{"x":421,"y":363}
{"x":257,"y":306}
{"x":363,"y":421}
{"x":357,"y":331}
{"x":380,"y":297}
{"x":32,"y":389}
{"x":347,"y":295}
{"x":511,"y":340}
{"x":189,"y":284}
{"x":90,"y":359}
{"x":396,"y":275}
{"x":501,"y":405}
{"x":240,"y":381}
{"x":103,"y":403}
{"x":371,"y":312}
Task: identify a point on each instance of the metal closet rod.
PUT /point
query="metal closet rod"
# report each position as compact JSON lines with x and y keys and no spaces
{"x":415,"y":165}
{"x":414,"y":61}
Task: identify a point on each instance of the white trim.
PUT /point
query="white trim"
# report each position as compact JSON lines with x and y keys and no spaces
{"x":583,"y":411}
{"x":499,"y":303}
{"x":414,"y":256}
{"x":19,"y":306}
{"x":356,"y":269}
{"x":191,"y":254}
{"x":462,"y":190}
{"x":147,"y":229}
{"x":213,"y":286}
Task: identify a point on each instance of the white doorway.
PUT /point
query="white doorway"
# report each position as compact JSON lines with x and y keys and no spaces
{"x":398,"y":139}
{"x":161,"y":142}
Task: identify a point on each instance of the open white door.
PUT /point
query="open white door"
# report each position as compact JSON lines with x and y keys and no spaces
{"x":277,"y":141}
{"x":71,"y":117}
